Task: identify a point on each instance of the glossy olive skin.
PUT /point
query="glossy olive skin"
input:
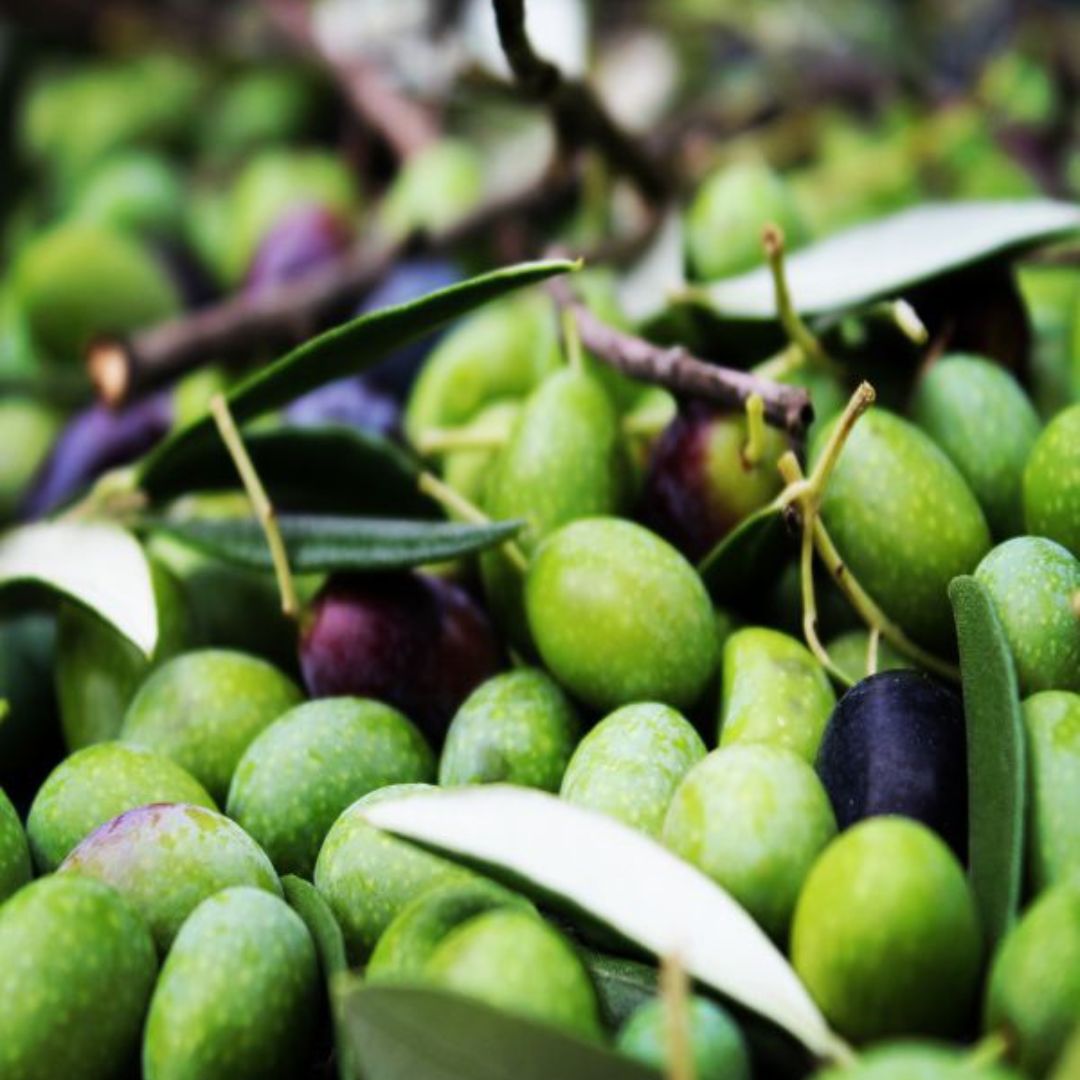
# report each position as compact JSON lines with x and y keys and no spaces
{"x":15,"y":868}
{"x":904,"y":521}
{"x":1034,"y":583}
{"x":1052,"y":482}
{"x":978,"y":414}
{"x":77,"y":966}
{"x":1034,"y":986}
{"x":911,"y":1059}
{"x":92,"y":442}
{"x":412,"y":640}
{"x":619,"y":616}
{"x":433,"y":188}
{"x":895,"y":744}
{"x":699,"y":484}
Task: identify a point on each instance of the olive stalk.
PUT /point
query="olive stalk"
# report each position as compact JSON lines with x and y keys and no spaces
{"x":260,"y":502}
{"x":675,"y":994}
{"x":448,"y":440}
{"x":455,"y":503}
{"x":872,"y":651}
{"x":572,"y":341}
{"x":754,"y":450}
{"x":989,"y":1050}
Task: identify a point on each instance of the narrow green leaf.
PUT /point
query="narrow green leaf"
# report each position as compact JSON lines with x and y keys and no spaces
{"x":587,"y":864}
{"x":753,"y":552}
{"x":317,"y":544}
{"x":344,"y":350}
{"x":95,"y":563}
{"x":308,"y":903}
{"x":325,"y":469}
{"x":886,"y":258}
{"x":995,"y":748}
{"x":418,"y":1033}
{"x":621,"y":985}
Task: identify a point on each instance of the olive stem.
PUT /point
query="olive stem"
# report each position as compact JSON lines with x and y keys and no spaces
{"x":772,"y":240}
{"x":674,"y":993}
{"x":858,"y":403}
{"x":754,"y":450}
{"x":453,"y":502}
{"x":989,"y":1050}
{"x":572,"y":341}
{"x":787,"y":361}
{"x":872,"y":651}
{"x":906,"y":318}
{"x":447,"y":440}
{"x":260,"y":502}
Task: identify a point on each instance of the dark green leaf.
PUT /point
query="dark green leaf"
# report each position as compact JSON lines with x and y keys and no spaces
{"x":97,"y":564}
{"x":621,"y":985}
{"x":407,"y":1033}
{"x":343,"y":350}
{"x":322,"y":544}
{"x":751,"y":553}
{"x":308,"y":903}
{"x":995,"y":747}
{"x":586,"y":864}
{"x":886,"y":258}
{"x":326,"y":469}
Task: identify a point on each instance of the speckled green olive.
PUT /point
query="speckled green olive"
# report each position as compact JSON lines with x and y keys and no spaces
{"x":630,"y":764}
{"x":1068,"y":1063}
{"x":912,"y":1060}
{"x":204,"y":708}
{"x":78,"y":281}
{"x":619,"y":616}
{"x":1052,"y":482}
{"x":1034,"y":584}
{"x":237,"y":993}
{"x":27,"y":430}
{"x":850,"y":652}
{"x":466,"y":471}
{"x":272,"y":184}
{"x":754,"y":818}
{"x":502,"y":351}
{"x":408,"y":942}
{"x":1052,"y":721}
{"x":904,"y":521}
{"x":717,"y":1047}
{"x":76,"y":969}
{"x":95,"y":784}
{"x":98,"y":670}
{"x":773,"y":692}
{"x":433,"y":189}
{"x":1033,"y":991}
{"x":516,"y":728}
{"x":886,"y":936}
{"x":309,"y":765}
{"x":367,"y":876}
{"x":168,"y":857}
{"x":515,"y":961}
{"x":565,"y":460}
{"x":977,"y":413}
{"x":725,"y":219}
{"x":135,"y":192}
{"x":15,"y":869}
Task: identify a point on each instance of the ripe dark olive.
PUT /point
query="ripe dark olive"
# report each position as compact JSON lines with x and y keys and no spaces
{"x":700,"y":484}
{"x":306,"y":239}
{"x":95,"y":440}
{"x":411,"y":640}
{"x":895,"y":744}
{"x":353,"y":401}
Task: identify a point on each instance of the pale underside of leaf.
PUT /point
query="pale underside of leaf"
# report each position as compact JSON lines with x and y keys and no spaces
{"x":95,"y":563}
{"x":885,"y":257}
{"x":624,"y":879}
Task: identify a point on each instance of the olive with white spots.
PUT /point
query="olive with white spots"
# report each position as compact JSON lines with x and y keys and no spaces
{"x":15,"y":869}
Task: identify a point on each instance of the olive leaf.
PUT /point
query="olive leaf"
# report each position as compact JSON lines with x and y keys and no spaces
{"x":587,"y":864}
{"x":420,"y":1033}
{"x":621,"y":985}
{"x":340,"y":351}
{"x":95,"y":563}
{"x":995,"y":750}
{"x":753,"y":552}
{"x":320,"y":544}
{"x":887,"y":257}
{"x":328,"y":469}
{"x":309,"y":904}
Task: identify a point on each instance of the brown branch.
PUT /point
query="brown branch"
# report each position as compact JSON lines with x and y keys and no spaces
{"x":246,"y":325}
{"x":579,"y":117}
{"x":405,"y":125}
{"x":786,"y":407}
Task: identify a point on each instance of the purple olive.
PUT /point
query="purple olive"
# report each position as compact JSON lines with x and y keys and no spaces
{"x":411,"y":640}
{"x":895,"y":744}
{"x":306,"y":239}
{"x":94,"y":441}
{"x":352,"y":401}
